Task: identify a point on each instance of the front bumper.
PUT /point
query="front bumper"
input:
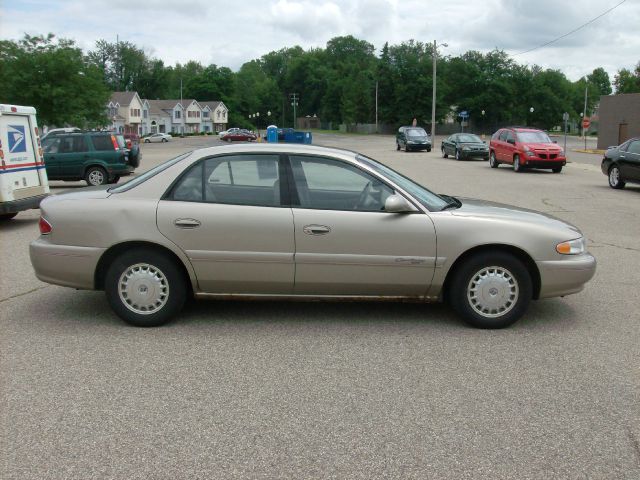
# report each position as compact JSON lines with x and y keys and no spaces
{"x":566,"y":276}
{"x":419,"y":146}
{"x":69,"y":266}
{"x":538,"y":163}
{"x":475,"y":154}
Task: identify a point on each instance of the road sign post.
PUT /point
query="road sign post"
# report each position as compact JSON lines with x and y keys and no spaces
{"x":585,"y":126}
{"x":565,"y":118}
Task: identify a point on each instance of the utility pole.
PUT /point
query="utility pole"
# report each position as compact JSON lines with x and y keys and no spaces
{"x":433,"y":100}
{"x":584,"y":115}
{"x":377,"y":107}
{"x":294,"y":103}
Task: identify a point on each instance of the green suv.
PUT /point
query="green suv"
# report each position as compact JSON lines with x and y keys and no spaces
{"x":96,"y":157}
{"x":413,"y":138}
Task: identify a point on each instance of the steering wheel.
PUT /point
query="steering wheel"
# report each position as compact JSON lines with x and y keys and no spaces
{"x":362,"y":199}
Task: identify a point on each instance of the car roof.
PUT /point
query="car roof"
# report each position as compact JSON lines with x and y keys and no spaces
{"x":274,"y":148}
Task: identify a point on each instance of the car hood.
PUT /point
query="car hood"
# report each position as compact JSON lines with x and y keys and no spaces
{"x":544,"y":146}
{"x":500,"y":211}
{"x":474,"y":144}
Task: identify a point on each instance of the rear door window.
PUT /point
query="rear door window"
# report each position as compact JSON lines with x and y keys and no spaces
{"x":102,"y":142}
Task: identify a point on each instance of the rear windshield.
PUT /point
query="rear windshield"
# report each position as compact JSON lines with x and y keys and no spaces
{"x":148,"y":174}
{"x":121,"y":142}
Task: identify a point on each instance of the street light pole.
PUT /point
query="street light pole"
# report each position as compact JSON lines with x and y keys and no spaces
{"x":433,"y":100}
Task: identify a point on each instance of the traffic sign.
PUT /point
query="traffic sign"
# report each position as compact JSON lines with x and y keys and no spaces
{"x":565,"y":116}
{"x":585,"y":123}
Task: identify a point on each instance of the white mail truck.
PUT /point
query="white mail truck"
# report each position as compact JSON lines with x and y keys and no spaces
{"x":23,"y":178}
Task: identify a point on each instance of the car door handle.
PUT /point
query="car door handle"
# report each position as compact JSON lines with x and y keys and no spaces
{"x":316,"y":229}
{"x":186,"y":223}
{"x":622,"y":157}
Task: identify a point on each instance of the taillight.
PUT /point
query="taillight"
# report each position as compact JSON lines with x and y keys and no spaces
{"x":115,"y":143}
{"x":45,"y":227}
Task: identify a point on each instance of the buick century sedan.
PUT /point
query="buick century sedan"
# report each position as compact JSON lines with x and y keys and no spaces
{"x":301,"y":222}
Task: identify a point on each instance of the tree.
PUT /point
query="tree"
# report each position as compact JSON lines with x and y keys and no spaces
{"x":627,"y":81}
{"x":54,"y":77}
{"x":599,"y":78}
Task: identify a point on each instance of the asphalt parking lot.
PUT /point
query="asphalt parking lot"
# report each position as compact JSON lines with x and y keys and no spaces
{"x":342,"y":390}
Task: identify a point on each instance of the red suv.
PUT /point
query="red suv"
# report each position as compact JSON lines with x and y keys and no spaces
{"x":525,"y":148}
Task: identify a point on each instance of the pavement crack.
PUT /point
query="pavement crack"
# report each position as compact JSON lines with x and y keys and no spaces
{"x":634,"y":442}
{"x":23,"y":293}
{"x":600,"y":244}
{"x":547,"y":202}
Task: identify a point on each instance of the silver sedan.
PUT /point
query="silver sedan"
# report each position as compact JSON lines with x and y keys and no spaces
{"x":301,"y":222}
{"x":158,"y":138}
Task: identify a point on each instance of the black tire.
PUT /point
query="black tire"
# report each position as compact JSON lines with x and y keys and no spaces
{"x":556,"y":169}
{"x":444,"y":153}
{"x":493,"y":163}
{"x":516,"y":164}
{"x":428,"y":149}
{"x":7,"y":216}
{"x":508,"y":271}
{"x":406,"y":147}
{"x":458,"y":154}
{"x":96,"y":176}
{"x":159,"y":274}
{"x":397,"y":146}
{"x":146,"y":140}
{"x":115,"y":179}
{"x":164,"y":140}
{"x":615,"y":178}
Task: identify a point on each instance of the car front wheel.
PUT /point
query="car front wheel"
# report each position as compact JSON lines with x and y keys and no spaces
{"x":491,"y":290}
{"x":147,"y":141}
{"x":457,"y":154}
{"x":516,"y":164}
{"x":615,"y":179}
{"x":145,"y":288}
{"x":493,"y":163}
{"x":444,"y":153}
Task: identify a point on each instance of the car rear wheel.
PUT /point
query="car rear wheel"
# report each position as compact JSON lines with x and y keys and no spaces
{"x":491,"y":290}
{"x":145,"y":288}
{"x":164,"y":140}
{"x":147,"y":140}
{"x":615,"y":179}
{"x":516,"y":164}
{"x":96,"y":176}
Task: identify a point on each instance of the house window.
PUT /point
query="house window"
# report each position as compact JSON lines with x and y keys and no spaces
{"x":146,"y":113}
{"x":205,"y":114}
{"x":218,"y":115}
{"x":177,"y":115}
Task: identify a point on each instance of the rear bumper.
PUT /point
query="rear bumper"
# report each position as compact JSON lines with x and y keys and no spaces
{"x":28,"y":203}
{"x":566,"y":276}
{"x":65,"y":265}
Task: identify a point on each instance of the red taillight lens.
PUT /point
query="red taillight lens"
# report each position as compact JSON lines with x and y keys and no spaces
{"x":45,"y":227}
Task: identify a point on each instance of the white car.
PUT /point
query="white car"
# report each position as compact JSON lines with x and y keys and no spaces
{"x":158,"y":137}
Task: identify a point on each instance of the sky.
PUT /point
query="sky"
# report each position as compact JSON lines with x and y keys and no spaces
{"x":232,"y":33}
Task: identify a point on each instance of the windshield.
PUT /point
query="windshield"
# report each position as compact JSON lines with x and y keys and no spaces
{"x":469,"y":139}
{"x":147,"y":175}
{"x":426,"y":197}
{"x":416,"y":132}
{"x":533,"y":137}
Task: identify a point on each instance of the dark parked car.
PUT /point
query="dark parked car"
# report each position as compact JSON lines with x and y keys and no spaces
{"x":96,"y":157}
{"x":622,"y":163}
{"x":464,"y":145}
{"x":412,"y":138}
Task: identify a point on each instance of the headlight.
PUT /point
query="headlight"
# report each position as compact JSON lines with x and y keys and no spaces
{"x":572,"y":247}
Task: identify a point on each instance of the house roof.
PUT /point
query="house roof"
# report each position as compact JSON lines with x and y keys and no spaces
{"x":123,"y":98}
{"x":212,"y":104}
{"x":186,"y":102}
{"x":163,"y":104}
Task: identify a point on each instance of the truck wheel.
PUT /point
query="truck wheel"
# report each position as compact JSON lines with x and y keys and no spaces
{"x":145,"y":288}
{"x":96,"y":176}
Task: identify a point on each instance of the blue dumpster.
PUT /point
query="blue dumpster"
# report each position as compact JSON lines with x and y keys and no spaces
{"x":272,"y":134}
{"x":307,"y":138}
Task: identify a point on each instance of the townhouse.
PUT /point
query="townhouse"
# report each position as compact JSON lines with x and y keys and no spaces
{"x":129,"y":113}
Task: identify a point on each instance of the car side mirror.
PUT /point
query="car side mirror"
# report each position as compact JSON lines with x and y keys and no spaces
{"x":397,"y":204}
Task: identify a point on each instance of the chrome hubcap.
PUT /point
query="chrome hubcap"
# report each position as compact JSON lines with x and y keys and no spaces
{"x":492,"y":292}
{"x":96,"y":177}
{"x":614,"y":176}
{"x":143,"y":288}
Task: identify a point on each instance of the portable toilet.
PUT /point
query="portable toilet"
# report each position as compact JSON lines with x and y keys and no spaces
{"x":272,"y":134}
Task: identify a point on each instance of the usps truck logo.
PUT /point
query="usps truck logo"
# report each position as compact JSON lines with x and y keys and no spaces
{"x":17,"y":141}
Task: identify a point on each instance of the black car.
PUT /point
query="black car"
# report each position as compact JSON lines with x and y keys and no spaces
{"x":412,"y":138}
{"x":465,"y":145}
{"x":622,"y":163}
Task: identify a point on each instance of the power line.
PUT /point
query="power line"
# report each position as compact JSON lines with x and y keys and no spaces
{"x":572,"y":31}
